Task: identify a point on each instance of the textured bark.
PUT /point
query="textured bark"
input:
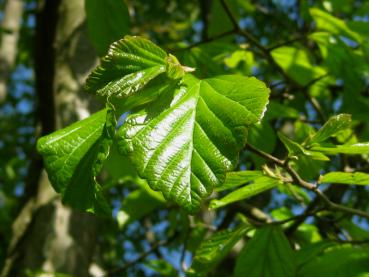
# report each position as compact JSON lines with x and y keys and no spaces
{"x":48,"y":236}
{"x":9,"y":39}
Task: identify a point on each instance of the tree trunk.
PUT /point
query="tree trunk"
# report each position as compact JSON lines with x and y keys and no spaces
{"x":9,"y":39}
{"x":48,"y":236}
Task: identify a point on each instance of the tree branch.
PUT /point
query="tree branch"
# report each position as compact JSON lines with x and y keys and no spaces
{"x":296,"y":179}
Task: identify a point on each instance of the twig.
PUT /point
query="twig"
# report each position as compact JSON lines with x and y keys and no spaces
{"x":296,"y":179}
{"x":140,"y":258}
{"x":266,"y":52}
{"x":207,"y":40}
{"x":285,"y":43}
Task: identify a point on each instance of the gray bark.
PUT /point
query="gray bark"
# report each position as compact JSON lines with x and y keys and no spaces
{"x":48,"y":236}
{"x":9,"y":39}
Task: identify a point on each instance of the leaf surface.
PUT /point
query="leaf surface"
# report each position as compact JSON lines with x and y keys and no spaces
{"x":259,"y":185}
{"x":332,"y":127}
{"x":130,"y":65}
{"x":238,"y":178}
{"x":268,"y":253}
{"x":107,"y":21}
{"x":215,"y":248}
{"x":73,"y":157}
{"x":184,"y":143}
{"x":356,"y":178}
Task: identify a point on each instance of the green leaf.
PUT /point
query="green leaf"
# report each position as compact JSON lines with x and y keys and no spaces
{"x":296,"y":63}
{"x":268,"y":253}
{"x":310,"y":251}
{"x":330,"y":149}
{"x":259,"y":185}
{"x":162,"y":267}
{"x":184,"y":143}
{"x":107,"y":21}
{"x":295,"y":148}
{"x":238,"y":178}
{"x":74,"y":156}
{"x":334,"y":25}
{"x":129,"y":66}
{"x":331,"y":128}
{"x":139,"y":203}
{"x":215,"y":248}
{"x":341,"y":261}
{"x":355,"y":178}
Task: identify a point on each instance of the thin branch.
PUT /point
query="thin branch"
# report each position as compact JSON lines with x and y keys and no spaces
{"x":285,"y":43}
{"x":207,"y":40}
{"x":296,"y":179}
{"x":266,"y":52}
{"x":141,"y":257}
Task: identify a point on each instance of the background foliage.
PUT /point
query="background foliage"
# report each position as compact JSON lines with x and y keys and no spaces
{"x":297,"y":203}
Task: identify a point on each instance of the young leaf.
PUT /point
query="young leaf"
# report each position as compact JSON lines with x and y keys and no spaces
{"x":356,"y":178}
{"x":296,"y":149}
{"x":268,"y":253}
{"x":258,"y":186}
{"x":353,"y":149}
{"x":238,"y":178}
{"x":107,"y":21}
{"x":332,"y":127}
{"x":185,"y":143}
{"x":130,"y":65}
{"x":73,"y":157}
{"x":215,"y":248}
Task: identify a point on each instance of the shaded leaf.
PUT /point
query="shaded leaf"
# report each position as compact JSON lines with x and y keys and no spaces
{"x":341,"y":261}
{"x":74,"y":156}
{"x":215,"y":248}
{"x":268,"y":253}
{"x":296,"y":63}
{"x":334,"y":25}
{"x":107,"y":21}
{"x":310,"y":251}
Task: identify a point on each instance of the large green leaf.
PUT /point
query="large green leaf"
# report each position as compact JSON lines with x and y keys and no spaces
{"x":215,"y":248}
{"x":184,"y":143}
{"x":268,"y":253}
{"x":259,"y":185}
{"x":355,"y":178}
{"x":73,"y":157}
{"x":107,"y":21}
{"x":129,"y":66}
{"x":331,"y":128}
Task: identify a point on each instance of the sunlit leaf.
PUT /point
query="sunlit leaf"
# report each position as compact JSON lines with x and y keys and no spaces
{"x":355,"y":178}
{"x":259,"y":185}
{"x":184,"y":143}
